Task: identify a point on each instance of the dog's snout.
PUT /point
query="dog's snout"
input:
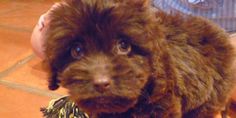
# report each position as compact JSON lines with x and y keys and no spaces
{"x":102,"y":83}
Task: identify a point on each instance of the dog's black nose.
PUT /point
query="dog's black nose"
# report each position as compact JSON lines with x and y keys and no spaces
{"x":102,"y":83}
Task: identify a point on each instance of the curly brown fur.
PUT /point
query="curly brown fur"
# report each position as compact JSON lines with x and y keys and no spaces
{"x":120,"y":59}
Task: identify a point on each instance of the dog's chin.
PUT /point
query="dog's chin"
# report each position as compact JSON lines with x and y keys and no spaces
{"x":106,"y":104}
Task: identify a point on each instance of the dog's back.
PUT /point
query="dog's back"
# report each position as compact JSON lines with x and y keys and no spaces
{"x":203,"y":57}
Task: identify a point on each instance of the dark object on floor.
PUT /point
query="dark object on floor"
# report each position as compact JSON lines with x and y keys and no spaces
{"x":63,"y":108}
{"x":122,"y":59}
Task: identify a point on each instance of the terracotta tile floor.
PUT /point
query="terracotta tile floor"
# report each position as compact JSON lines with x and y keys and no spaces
{"x":23,"y":82}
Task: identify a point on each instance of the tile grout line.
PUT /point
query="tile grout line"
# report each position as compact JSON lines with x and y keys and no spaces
{"x":18,"y":29}
{"x":21,"y":86}
{"x":16,"y":66}
{"x":30,"y":89}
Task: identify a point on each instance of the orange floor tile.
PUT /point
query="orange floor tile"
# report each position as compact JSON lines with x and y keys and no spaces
{"x":20,"y":104}
{"x":23,"y":82}
{"x":33,"y":75}
{"x":14,"y":45}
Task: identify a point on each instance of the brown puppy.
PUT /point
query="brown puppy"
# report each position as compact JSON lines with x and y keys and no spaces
{"x":121,"y":59}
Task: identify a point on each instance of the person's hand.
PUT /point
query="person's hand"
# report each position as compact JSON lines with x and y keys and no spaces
{"x":38,"y":37}
{"x":38,"y":34}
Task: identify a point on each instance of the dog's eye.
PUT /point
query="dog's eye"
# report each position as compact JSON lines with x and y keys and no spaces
{"x":77,"y":51}
{"x":123,"y":47}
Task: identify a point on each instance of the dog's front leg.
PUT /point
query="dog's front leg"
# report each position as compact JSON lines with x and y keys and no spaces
{"x":167,"y":107}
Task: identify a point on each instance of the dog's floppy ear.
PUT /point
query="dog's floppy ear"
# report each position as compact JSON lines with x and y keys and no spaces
{"x":163,"y":80}
{"x":163,"y":71}
{"x":53,"y":82}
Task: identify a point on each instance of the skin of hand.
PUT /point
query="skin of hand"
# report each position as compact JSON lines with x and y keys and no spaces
{"x":37,"y":37}
{"x":38,"y":34}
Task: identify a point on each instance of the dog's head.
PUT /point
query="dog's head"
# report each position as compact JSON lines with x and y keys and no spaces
{"x":102,"y":51}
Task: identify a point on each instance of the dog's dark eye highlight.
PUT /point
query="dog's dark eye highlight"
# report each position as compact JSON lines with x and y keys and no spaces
{"x":77,"y":51}
{"x":123,"y":47}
